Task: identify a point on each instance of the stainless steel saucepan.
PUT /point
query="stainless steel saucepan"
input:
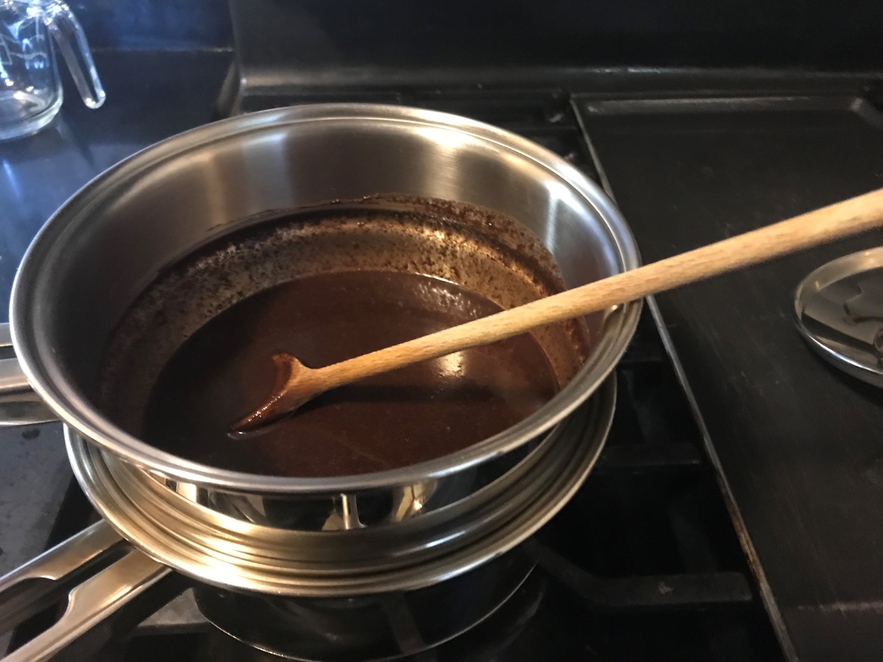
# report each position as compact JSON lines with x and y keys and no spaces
{"x":395,"y":532}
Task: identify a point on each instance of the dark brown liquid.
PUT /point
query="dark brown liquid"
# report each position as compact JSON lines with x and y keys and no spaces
{"x":410,"y":415}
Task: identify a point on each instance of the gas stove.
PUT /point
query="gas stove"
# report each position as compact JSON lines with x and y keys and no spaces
{"x":733,"y":512}
{"x":644,"y":562}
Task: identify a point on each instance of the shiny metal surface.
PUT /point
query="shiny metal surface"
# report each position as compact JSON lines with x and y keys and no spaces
{"x":59,"y":571}
{"x":23,"y":408}
{"x":93,"y":601}
{"x":12,"y":379}
{"x":23,"y":591}
{"x":838,"y":308}
{"x":110,"y":240}
{"x":230,"y":553}
{"x":19,"y":405}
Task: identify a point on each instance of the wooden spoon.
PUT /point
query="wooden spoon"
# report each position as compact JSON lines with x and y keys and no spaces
{"x":296,"y":384}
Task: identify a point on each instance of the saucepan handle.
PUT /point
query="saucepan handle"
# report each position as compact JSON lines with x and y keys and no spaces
{"x":19,"y":405}
{"x":125,"y":574}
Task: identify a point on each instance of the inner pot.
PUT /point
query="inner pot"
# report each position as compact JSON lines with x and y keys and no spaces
{"x":103,"y":249}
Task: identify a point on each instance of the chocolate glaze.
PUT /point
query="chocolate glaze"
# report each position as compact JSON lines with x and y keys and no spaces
{"x":477,"y":248}
{"x":411,"y":415}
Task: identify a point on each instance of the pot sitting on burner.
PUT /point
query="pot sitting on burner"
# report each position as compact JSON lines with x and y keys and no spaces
{"x":130,"y":270}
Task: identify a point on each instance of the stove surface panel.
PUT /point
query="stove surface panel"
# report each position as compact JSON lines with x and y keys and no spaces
{"x":800,"y":444}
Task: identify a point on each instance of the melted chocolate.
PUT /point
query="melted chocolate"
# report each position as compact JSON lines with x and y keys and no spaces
{"x":411,"y":415}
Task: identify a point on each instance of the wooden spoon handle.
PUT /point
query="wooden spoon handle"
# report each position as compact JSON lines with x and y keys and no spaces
{"x":816,"y":227}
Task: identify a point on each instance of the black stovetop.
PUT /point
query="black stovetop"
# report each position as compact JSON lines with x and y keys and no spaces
{"x":643,"y":563}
